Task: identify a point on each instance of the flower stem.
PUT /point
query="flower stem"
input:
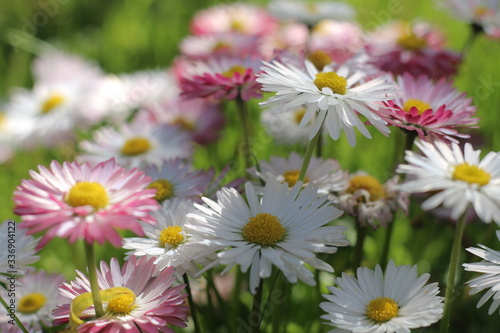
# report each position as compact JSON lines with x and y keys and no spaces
{"x":450,"y":284}
{"x":243,"y":111}
{"x":94,"y":285}
{"x":475,"y":30}
{"x":384,"y":258}
{"x":308,"y":154}
{"x":192,"y":307}
{"x":360,"y":241}
{"x":257,"y":302}
{"x":18,"y":322}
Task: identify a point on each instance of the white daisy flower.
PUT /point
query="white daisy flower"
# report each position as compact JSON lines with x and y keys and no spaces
{"x":460,"y":179}
{"x":309,"y":12}
{"x":169,"y":241}
{"x":136,"y":145}
{"x":35,"y":299}
{"x":25,"y":252}
{"x":490,"y":279}
{"x":284,"y":127}
{"x":376,"y":303}
{"x":284,"y":227}
{"x":325,"y":174}
{"x":335,"y":98}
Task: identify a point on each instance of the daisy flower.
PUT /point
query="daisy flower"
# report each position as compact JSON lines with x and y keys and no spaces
{"x":417,"y":48}
{"x":221,"y":78}
{"x":284,"y":127}
{"x":340,"y":40}
{"x":374,"y":302}
{"x":325,"y":174}
{"x":238,"y":18}
{"x":490,"y":278}
{"x":370,"y":201}
{"x":56,"y":105}
{"x":35,"y":299}
{"x":79,"y":201}
{"x":309,"y":12}
{"x":289,"y":37}
{"x":137,"y":144}
{"x":149,"y":306}
{"x":334,"y":97}
{"x":219,"y":45}
{"x":201,"y":119}
{"x":483,"y":15}
{"x":285,"y":227}
{"x":25,"y":253}
{"x":175,"y":179}
{"x":169,"y":241}
{"x":458,"y":179}
{"x":434,"y":110}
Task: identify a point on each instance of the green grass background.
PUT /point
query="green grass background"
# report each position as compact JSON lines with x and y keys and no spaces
{"x":125,"y":36}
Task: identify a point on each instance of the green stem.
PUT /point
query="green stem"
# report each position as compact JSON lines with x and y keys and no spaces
{"x":278,"y":315}
{"x":360,"y":241}
{"x":257,"y":302}
{"x":18,"y":322}
{"x":94,"y":285}
{"x":450,"y":284}
{"x":231,"y":322}
{"x":475,"y":30}
{"x":197,"y":327}
{"x":384,"y":258}
{"x":308,"y":154}
{"x":243,"y":112}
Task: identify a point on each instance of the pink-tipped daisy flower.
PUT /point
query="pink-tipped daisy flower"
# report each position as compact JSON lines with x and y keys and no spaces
{"x":80,"y":201}
{"x":433,"y":110}
{"x":239,"y":18}
{"x":399,"y":47}
{"x":221,"y":78}
{"x":136,"y":298}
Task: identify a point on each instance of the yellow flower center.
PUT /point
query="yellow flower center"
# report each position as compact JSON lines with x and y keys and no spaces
{"x":382,"y":309}
{"x":298,"y":115}
{"x":172,"y":236}
{"x":332,"y":80}
{"x":264,"y":229}
{"x":184,"y":123}
{"x":51,"y":103}
{"x":221,"y":46}
{"x":411,"y":42}
{"x":471,"y":174}
{"x":235,"y":69}
{"x":164,"y":189}
{"x":136,"y":146}
{"x":320,"y":59}
{"x":367,"y":183}
{"x":481,"y":11}
{"x":87,"y":194}
{"x":292,"y":177}
{"x":421,"y":106}
{"x":238,"y":26}
{"x":31,"y":303}
{"x":121,"y":305}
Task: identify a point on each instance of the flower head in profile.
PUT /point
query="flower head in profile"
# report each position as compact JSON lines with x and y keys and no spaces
{"x":25,"y":252}
{"x":240,"y":18}
{"x":336,"y":98}
{"x":458,"y":179}
{"x":416,"y":48}
{"x":35,"y":299}
{"x":482,"y":15}
{"x":80,"y":201}
{"x":489,"y":279}
{"x":285,"y":228}
{"x":169,"y":241}
{"x":433,"y":110}
{"x":309,"y":12}
{"x":139,"y":298}
{"x":221,"y":78}
{"x":284,"y":127}
{"x":203,"y":47}
{"x":371,"y":202}
{"x":374,"y":302}
{"x":137,"y":144}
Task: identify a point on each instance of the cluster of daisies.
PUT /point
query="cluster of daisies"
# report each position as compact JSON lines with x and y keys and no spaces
{"x":133,"y":140}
